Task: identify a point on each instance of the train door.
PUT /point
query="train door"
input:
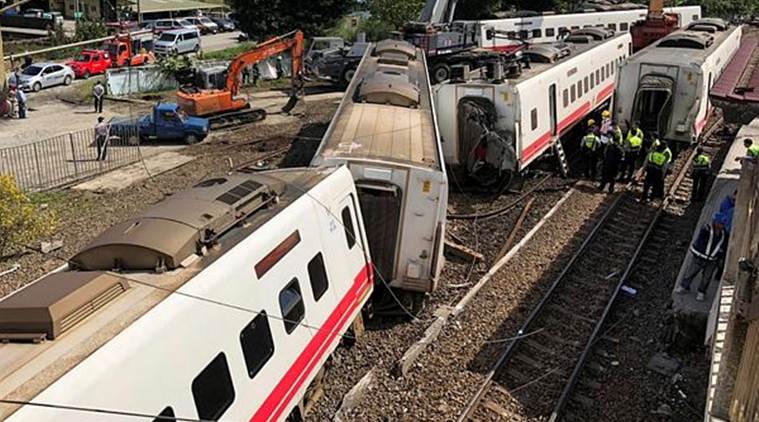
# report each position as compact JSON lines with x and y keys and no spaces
{"x":552,"y":108}
{"x":381,"y":209}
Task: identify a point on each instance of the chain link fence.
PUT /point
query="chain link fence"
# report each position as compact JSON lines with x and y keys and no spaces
{"x":64,"y":159}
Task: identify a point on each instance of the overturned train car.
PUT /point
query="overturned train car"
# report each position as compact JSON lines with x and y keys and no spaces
{"x":385,"y":133}
{"x":497,"y":122}
{"x":665,"y":87}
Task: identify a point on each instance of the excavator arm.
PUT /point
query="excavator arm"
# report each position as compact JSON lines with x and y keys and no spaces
{"x":292,"y":41}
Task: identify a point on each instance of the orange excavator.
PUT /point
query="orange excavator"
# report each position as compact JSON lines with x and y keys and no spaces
{"x":656,"y":25}
{"x":226,"y":107}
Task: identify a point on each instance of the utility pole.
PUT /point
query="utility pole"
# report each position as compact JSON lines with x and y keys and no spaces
{"x":139,"y":13}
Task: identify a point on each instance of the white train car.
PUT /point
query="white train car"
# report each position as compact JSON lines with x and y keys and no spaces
{"x":666,"y":85}
{"x":505,"y":123}
{"x":385,"y":132}
{"x":546,"y":28}
{"x":220,"y":303}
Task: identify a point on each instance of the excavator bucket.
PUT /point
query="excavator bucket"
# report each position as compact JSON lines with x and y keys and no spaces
{"x":291,"y":103}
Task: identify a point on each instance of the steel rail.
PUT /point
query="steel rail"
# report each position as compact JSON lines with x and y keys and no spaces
{"x":506,"y":355}
{"x":572,"y":381}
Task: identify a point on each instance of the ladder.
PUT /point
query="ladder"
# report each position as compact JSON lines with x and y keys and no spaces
{"x":562,"y":156}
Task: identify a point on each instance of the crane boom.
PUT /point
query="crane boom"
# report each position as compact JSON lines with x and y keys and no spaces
{"x":438,"y":11}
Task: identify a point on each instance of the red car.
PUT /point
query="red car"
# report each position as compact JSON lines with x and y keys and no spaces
{"x":90,"y":62}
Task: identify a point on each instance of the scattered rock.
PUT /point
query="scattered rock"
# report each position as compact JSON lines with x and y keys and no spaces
{"x":663,"y":364}
{"x":47,"y":247}
{"x":663,"y":410}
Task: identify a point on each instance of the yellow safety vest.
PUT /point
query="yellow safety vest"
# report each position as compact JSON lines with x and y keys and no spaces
{"x":635,"y":142}
{"x":668,"y":153}
{"x":753,"y":151}
{"x":658,"y":159}
{"x":701,"y":161}
{"x":638,"y":133}
{"x":590,"y":142}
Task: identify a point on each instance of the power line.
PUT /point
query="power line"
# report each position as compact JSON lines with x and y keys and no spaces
{"x":99,"y":410}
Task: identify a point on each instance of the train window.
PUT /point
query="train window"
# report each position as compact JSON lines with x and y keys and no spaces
{"x":598,"y":77}
{"x":613,"y":26}
{"x":579,"y":88}
{"x":585,"y":84}
{"x":511,"y":35}
{"x":612,"y":65}
{"x":350,"y":234}
{"x":166,"y":414}
{"x":563,"y":30}
{"x":318,"y":275}
{"x":566,"y":98}
{"x":624,"y":26}
{"x":524,"y":34}
{"x":534,"y":119}
{"x":212,"y":389}
{"x":550,"y":32}
{"x":592,"y":81}
{"x":537,"y":33}
{"x":291,"y":305}
{"x":575,"y":27}
{"x":696,"y":17}
{"x":257,"y":343}
{"x":573,"y":93}
{"x":603,"y":73}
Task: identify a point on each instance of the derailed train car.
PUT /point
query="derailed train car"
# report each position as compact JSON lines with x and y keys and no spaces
{"x":222,"y":302}
{"x":666,"y":86}
{"x":496,"y":121}
{"x":385,"y":132}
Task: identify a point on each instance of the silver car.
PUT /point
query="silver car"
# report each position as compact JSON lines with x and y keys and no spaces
{"x":43,"y":75}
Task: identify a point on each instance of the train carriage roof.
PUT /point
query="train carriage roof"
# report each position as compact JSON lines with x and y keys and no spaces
{"x":684,"y":48}
{"x":386,"y":113}
{"x":60,"y":319}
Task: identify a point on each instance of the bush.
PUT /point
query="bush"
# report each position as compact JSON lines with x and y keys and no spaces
{"x":21,"y":220}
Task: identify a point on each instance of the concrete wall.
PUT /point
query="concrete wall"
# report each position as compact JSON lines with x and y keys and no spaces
{"x":733,"y":393}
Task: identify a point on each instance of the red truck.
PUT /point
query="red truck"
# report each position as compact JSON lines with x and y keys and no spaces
{"x":118,"y":52}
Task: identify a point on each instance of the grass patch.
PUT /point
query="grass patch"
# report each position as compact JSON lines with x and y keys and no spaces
{"x":228,"y":53}
{"x":83,"y":91}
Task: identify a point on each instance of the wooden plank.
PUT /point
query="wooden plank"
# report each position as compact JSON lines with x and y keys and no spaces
{"x":462,"y":252}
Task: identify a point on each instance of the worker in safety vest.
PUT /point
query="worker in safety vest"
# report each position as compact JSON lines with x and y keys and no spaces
{"x":752,"y":151}
{"x":707,"y":250}
{"x":589,"y":146}
{"x":633,"y":145}
{"x":700,"y":174}
{"x":613,"y":155}
{"x":655,"y":164}
{"x":592,"y":126}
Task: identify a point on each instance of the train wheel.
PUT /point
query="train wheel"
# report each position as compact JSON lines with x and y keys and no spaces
{"x":440,"y":72}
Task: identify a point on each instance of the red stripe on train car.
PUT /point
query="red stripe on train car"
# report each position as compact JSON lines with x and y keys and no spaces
{"x":545,"y":139}
{"x":278,"y":399}
{"x":605,"y":93}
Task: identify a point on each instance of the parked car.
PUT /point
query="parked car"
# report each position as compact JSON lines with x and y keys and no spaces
{"x":90,"y":62}
{"x":165,"y":122}
{"x":225,"y":25}
{"x":162,"y":25}
{"x":44,"y":75}
{"x":204,"y":24}
{"x":178,"y":42}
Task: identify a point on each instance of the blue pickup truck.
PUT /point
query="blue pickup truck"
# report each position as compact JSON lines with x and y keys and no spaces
{"x":166,"y":122}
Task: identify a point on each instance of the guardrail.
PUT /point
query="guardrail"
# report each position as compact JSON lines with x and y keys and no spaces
{"x":65,"y":159}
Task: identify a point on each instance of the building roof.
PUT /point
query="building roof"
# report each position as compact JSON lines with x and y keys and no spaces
{"x":156,"y":6}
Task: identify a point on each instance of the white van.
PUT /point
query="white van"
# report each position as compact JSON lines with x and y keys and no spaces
{"x":178,"y":42}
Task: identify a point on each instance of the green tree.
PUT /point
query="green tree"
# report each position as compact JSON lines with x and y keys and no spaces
{"x":266,"y":18}
{"x":395,"y":13}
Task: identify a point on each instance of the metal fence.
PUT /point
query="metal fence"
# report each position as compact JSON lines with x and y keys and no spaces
{"x":65,"y":159}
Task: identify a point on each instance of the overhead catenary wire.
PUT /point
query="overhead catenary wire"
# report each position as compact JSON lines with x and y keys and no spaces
{"x":103,"y":411}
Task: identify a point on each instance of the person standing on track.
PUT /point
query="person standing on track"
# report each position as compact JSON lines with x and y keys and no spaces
{"x":655,"y":164}
{"x":613,"y":154}
{"x":700,"y":174}
{"x":589,"y":149}
{"x":98,"y":93}
{"x":707,"y":251}
{"x":633,"y":144}
{"x":752,"y":151}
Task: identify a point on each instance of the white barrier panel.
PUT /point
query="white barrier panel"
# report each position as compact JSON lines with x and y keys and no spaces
{"x":136,"y":80}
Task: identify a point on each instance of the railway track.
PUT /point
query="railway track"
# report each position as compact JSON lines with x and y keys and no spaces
{"x":536,"y":373}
